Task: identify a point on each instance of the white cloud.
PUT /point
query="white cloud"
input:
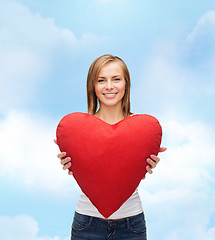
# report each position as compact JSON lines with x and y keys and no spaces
{"x":30,"y":45}
{"x":20,"y":71}
{"x":179,"y":196}
{"x":22,"y":227}
{"x":210,"y":235}
{"x":28,"y":154}
{"x":21,"y":28}
{"x":179,"y":76}
{"x":200,"y":43}
{"x":162,"y":83}
{"x":106,"y":1}
{"x":205,"y":26}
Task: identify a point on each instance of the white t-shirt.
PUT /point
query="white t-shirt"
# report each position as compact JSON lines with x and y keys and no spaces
{"x":131,"y":207}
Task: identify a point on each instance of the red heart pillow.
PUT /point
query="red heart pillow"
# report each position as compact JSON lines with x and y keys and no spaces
{"x":108,"y":160}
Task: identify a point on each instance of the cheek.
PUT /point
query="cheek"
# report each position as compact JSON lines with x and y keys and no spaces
{"x":122,"y":87}
{"x":97,"y":91}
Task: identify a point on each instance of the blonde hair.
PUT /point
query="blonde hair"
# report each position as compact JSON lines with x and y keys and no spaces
{"x":92,"y":100}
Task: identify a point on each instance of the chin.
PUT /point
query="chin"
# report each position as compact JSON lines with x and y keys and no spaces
{"x":111,"y":104}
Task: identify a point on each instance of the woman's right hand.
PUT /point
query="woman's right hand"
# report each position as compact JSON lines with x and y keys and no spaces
{"x":65,"y":161}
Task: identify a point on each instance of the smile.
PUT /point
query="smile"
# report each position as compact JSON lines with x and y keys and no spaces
{"x":109,"y":95}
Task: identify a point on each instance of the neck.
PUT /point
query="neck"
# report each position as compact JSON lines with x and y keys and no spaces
{"x":110,"y":114}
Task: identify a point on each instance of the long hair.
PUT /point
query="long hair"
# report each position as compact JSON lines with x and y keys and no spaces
{"x":92,"y":100}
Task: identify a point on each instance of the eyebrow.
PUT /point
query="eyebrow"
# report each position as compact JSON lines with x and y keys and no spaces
{"x":112,"y":77}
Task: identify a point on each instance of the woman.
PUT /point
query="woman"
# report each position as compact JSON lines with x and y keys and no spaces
{"x":108,"y":84}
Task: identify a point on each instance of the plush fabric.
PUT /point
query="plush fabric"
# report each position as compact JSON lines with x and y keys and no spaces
{"x":108,"y":160}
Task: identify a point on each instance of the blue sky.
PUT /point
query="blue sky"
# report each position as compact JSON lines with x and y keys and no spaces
{"x":46,"y":48}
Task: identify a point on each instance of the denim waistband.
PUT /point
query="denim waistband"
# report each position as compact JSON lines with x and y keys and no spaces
{"x":125,"y":222}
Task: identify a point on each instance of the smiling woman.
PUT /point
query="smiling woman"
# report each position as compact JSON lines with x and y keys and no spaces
{"x":112,"y":86}
{"x":108,"y":86}
{"x":108,"y":75}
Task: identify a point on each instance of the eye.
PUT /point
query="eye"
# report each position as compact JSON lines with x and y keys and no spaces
{"x":116,"y":79}
{"x":100,"y":80}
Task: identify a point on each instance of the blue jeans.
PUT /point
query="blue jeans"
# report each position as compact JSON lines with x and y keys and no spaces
{"x":93,"y":228}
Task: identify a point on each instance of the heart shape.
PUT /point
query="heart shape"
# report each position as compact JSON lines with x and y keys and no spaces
{"x":108,"y":160}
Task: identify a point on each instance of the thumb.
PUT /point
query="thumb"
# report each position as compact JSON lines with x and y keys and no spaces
{"x":162,"y":149}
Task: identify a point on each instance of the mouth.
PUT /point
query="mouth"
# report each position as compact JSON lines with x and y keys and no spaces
{"x":109,"y":95}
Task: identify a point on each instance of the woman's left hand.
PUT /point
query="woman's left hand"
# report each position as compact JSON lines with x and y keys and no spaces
{"x":153,"y":161}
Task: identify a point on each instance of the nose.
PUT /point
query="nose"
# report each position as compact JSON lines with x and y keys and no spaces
{"x":109,"y":84}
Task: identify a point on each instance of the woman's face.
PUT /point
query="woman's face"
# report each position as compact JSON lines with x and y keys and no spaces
{"x":110,"y":85}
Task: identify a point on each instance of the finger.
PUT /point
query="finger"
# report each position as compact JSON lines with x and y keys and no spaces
{"x":65,"y":160}
{"x":155,"y":158}
{"x":148,"y":169}
{"x":67,"y":165}
{"x":151,"y":162}
{"x":61,"y":155}
{"x":162,"y":149}
{"x":70,"y":173}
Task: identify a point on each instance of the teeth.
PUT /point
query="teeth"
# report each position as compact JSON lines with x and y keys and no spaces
{"x":110,"y":94}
